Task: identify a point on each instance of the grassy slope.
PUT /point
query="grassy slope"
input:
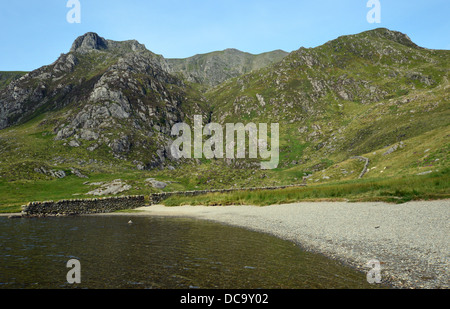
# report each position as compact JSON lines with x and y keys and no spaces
{"x":29,"y":146}
{"x":393,"y":190}
{"x":20,"y":184}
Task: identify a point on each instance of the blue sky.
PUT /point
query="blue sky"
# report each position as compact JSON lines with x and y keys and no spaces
{"x":36,"y":32}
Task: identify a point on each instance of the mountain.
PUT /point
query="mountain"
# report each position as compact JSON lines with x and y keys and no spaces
{"x":214,"y":68}
{"x":102,"y":92}
{"x":117,"y":94}
{"x":105,"y":110}
{"x":354,"y":95}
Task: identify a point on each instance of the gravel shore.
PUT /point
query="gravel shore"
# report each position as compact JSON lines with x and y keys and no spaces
{"x":410,"y":240}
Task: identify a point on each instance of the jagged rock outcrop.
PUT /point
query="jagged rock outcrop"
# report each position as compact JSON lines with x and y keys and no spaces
{"x":134,"y":94}
{"x":51,"y":173}
{"x":88,"y":42}
{"x":115,"y":187}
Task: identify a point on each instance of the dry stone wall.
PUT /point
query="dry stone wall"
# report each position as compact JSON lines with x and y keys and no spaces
{"x":111,"y":204}
{"x":366,"y":165}
{"x":82,"y":206}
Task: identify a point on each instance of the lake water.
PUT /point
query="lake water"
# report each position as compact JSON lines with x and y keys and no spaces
{"x":160,"y":253}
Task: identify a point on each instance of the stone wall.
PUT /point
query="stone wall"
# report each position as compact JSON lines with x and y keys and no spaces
{"x":82,"y":206}
{"x":111,"y":204}
{"x":366,"y":165}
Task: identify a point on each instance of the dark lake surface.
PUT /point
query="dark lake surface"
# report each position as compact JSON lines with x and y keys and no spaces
{"x":158,"y":253}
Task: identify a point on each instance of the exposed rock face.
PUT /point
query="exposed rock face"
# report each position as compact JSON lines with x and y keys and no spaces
{"x":115,"y":187}
{"x":51,"y":173}
{"x":121,"y":145}
{"x":88,"y":42}
{"x":395,"y":36}
{"x":65,"y":64}
{"x":394,"y":148}
{"x":134,"y":94}
{"x":19,"y":98}
{"x":156,"y":184}
{"x":78,"y":173}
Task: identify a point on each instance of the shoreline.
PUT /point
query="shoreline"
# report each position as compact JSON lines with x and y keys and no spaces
{"x":410,"y":240}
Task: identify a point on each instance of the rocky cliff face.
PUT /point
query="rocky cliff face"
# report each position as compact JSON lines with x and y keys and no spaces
{"x":88,"y":42}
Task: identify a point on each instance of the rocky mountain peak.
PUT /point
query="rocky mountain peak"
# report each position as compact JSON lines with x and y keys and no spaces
{"x":394,"y":36}
{"x":89,"y":41}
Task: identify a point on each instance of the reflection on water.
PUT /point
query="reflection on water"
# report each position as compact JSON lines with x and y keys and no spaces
{"x":158,"y":253}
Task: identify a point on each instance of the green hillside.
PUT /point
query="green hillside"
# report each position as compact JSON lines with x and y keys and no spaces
{"x":105,"y":113}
